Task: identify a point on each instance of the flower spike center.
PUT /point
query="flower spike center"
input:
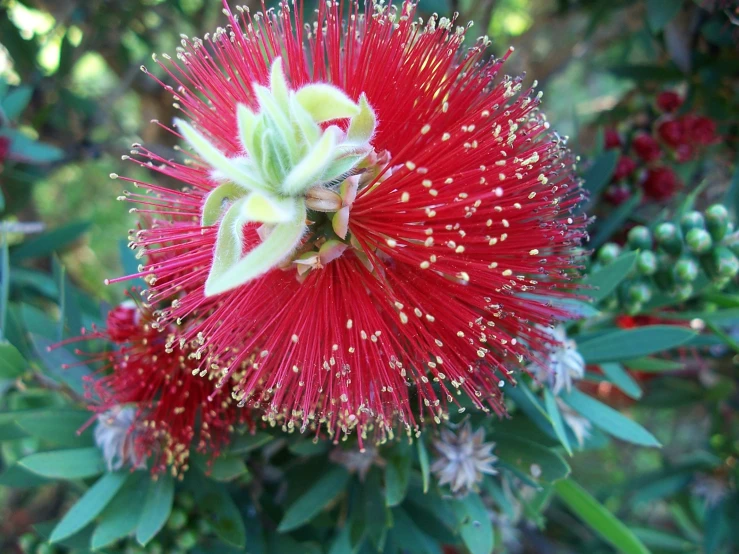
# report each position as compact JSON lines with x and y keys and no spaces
{"x":292,"y":164}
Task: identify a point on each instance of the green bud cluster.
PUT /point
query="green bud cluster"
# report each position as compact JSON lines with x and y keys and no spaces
{"x":674,"y":256}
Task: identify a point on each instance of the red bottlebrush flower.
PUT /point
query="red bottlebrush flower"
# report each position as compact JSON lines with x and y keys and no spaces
{"x":660,"y":183}
{"x":646,"y":147}
{"x":672,"y":132}
{"x":393,"y":235}
{"x":669,"y":101}
{"x":700,"y":129}
{"x":612,"y":138}
{"x":624,"y":167}
{"x":176,"y":408}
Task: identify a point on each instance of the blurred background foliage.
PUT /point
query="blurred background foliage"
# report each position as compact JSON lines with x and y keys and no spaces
{"x":74,"y":99}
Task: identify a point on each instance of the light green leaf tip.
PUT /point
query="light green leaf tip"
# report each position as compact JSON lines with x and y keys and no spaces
{"x":362,"y":126}
{"x":325,"y":102}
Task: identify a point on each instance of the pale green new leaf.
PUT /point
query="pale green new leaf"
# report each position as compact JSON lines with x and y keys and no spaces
{"x":325,"y":102}
{"x":217,"y":159}
{"x":214,"y":202}
{"x":228,"y":271}
{"x":267,"y":209}
{"x":362,"y":125}
{"x":312,"y":167}
{"x":248,"y":122}
{"x":278,"y":84}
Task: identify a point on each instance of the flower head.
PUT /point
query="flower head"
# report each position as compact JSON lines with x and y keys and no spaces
{"x":365,"y":203}
{"x":565,"y":362}
{"x":463,"y":459}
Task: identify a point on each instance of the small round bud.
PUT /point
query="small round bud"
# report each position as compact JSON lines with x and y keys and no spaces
{"x":698,"y":241}
{"x":667,"y":236}
{"x":44,"y":548}
{"x":683,"y":292}
{"x":717,"y":221}
{"x":685,"y":270}
{"x":640,"y":238}
{"x":692,"y":220}
{"x":187,"y":540}
{"x":632,"y":308}
{"x":177,"y":520}
{"x":639,"y":292}
{"x":724,"y":262}
{"x":646,"y":263}
{"x":609,"y":252}
{"x":26,"y":542}
{"x":186,"y":500}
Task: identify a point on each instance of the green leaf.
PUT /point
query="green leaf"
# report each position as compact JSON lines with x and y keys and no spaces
{"x":600,"y":173}
{"x":615,"y":220}
{"x":17,"y":476}
{"x":57,"y":359}
{"x":474,"y":523}
{"x":605,"y":280}
{"x":313,"y":165}
{"x":79,"y":463}
{"x":617,"y":375}
{"x":156,"y":510}
{"x":423,"y":460}
{"x":535,"y":462}
{"x":608,"y":419}
{"x":362,"y":125}
{"x":556,"y":418}
{"x":58,"y":426}
{"x":225,"y":468}
{"x":213,"y":207}
{"x":325,"y":102}
{"x":24,"y":148}
{"x":661,"y":12}
{"x":52,"y":241}
{"x":652,"y":364}
{"x":397,"y":474}
{"x":409,"y":537}
{"x":315,"y":499}
{"x":4,"y":283}
{"x":664,"y":541}
{"x":633,"y":343}
{"x":595,"y":515}
{"x":12,"y":364}
{"x":16,"y":101}
{"x":120,"y":517}
{"x":89,"y":506}
{"x":246,"y":443}
{"x":223,"y":514}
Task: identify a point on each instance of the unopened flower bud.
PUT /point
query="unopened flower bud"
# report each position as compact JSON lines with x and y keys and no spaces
{"x":177,"y":520}
{"x":717,"y":221}
{"x":692,"y":220}
{"x":639,"y":292}
{"x":667,"y":236}
{"x":640,"y":238}
{"x":685,"y":270}
{"x":723,"y":263}
{"x":187,"y":540}
{"x":683,"y":291}
{"x":646,"y":263}
{"x":608,"y":253}
{"x":698,"y":241}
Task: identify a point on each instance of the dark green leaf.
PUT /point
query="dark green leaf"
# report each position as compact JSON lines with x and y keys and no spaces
{"x":594,"y":514}
{"x":423,"y":460}
{"x":78,"y":463}
{"x":49,"y":242}
{"x":89,"y":506}
{"x":617,"y":375}
{"x":663,"y":541}
{"x":58,"y":426}
{"x":16,"y":101}
{"x":17,"y":476}
{"x":600,"y":173}
{"x":633,"y":343}
{"x":119,"y":518}
{"x":535,"y":462}
{"x":61,"y":364}
{"x":397,"y":473}
{"x":615,"y":221}
{"x":315,"y":499}
{"x":652,"y":364}
{"x":474,"y":524}
{"x":223,"y":514}
{"x":556,"y":418}
{"x":605,"y":280}
{"x":11,"y":432}
{"x":224,"y":468}
{"x":12,"y":363}
{"x":409,"y":537}
{"x":26,"y":149}
{"x":156,"y":510}
{"x":661,"y":12}
{"x":4,"y":283}
{"x":608,"y":419}
{"x":246,"y":443}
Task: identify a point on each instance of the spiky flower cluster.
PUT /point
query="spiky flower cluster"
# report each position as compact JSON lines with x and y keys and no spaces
{"x":371,"y":223}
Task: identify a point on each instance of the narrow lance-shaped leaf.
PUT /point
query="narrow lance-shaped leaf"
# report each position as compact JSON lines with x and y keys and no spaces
{"x":213,"y":205}
{"x":156,"y":509}
{"x":325,"y":102}
{"x":313,"y":165}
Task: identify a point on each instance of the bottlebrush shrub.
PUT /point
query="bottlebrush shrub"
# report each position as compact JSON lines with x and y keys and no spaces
{"x":361,"y":211}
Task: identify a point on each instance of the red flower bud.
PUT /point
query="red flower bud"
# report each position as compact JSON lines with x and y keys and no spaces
{"x":646,"y":147}
{"x":669,"y":101}
{"x":613,"y":140}
{"x":684,"y":152}
{"x":700,"y":129}
{"x":4,"y":148}
{"x":660,"y":183}
{"x":618,"y":194}
{"x":672,"y":131}
{"x":624,"y":168}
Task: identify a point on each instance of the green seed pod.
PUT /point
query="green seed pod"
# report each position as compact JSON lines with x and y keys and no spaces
{"x":640,"y":238}
{"x":639,"y":292}
{"x":155,"y":548}
{"x":187,"y":540}
{"x":44,"y":548}
{"x":683,"y":291}
{"x":646,"y":263}
{"x":724,"y":262}
{"x":177,"y":520}
{"x":692,"y":220}
{"x":26,"y":542}
{"x":685,"y":270}
{"x":632,"y":308}
{"x":731,"y":241}
{"x":204,"y":527}
{"x":717,"y":221}
{"x":608,"y":252}
{"x":186,"y":500}
{"x":698,"y":241}
{"x":668,"y":237}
